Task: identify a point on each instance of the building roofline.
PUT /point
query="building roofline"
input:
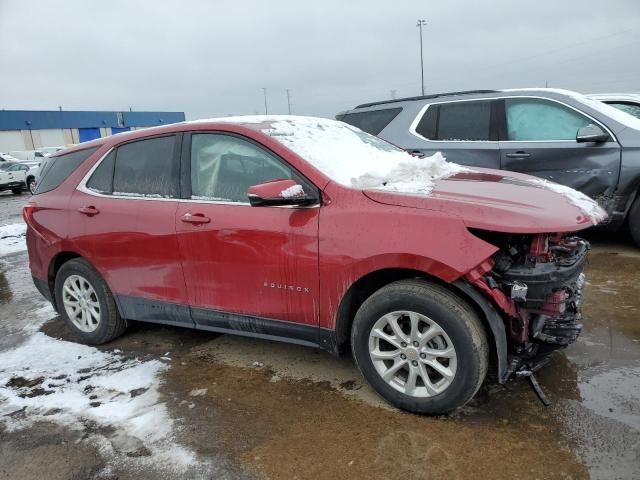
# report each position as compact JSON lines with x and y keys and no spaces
{"x":57,"y":119}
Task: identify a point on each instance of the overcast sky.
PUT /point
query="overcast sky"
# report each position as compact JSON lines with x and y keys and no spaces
{"x":212,"y":58}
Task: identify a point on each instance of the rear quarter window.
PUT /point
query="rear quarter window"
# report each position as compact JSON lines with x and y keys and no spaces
{"x":457,"y":121}
{"x":372,"y":122}
{"x":57,"y":169}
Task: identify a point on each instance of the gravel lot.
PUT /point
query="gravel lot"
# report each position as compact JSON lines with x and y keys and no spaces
{"x":235,"y":407}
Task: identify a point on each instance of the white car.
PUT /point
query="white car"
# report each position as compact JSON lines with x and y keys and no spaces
{"x":627,"y":102}
{"x":32,"y":175}
{"x":5,"y":157}
{"x":46,"y":151}
{"x":13,"y":176}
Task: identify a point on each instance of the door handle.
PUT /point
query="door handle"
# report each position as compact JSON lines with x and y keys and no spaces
{"x":89,"y":210}
{"x":417,"y":153}
{"x":518,"y":155}
{"x":196,"y":218}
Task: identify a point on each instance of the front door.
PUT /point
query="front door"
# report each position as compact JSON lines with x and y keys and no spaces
{"x":540,"y":139}
{"x":246,"y":267}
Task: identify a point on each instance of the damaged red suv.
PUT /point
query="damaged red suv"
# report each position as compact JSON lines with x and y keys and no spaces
{"x":311,"y":231}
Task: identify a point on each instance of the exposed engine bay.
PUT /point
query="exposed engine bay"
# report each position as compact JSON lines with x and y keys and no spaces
{"x":537,"y":282}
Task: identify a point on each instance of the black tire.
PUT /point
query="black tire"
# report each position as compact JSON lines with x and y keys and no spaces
{"x":16,"y":191}
{"x":110,"y":325}
{"x":31,"y":185}
{"x":634,"y":221}
{"x":454,"y":316}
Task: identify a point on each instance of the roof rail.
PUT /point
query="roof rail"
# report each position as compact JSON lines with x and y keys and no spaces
{"x":424,"y":97}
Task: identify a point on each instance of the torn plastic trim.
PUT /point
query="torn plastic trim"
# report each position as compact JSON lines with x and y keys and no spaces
{"x":495,"y":322}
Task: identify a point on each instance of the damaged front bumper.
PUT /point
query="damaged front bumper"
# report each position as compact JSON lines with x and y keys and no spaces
{"x":537,"y":283}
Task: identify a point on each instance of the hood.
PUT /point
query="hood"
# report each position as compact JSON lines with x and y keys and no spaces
{"x":503,"y":202}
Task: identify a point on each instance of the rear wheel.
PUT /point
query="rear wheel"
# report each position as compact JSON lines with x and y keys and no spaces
{"x":634,"y":221}
{"x":16,"y":191}
{"x":421,"y":347}
{"x":86,"y":304}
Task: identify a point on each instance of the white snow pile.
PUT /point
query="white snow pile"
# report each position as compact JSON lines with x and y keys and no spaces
{"x":292,"y":192}
{"x":350,"y":156}
{"x":44,"y":379}
{"x":13,"y":238}
{"x":587,"y":206}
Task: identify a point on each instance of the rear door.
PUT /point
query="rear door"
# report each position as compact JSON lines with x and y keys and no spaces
{"x":539,"y":138}
{"x":465,"y":132}
{"x":245,"y":267}
{"x":122,"y":220}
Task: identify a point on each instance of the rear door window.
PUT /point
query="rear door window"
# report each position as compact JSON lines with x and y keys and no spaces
{"x":145,"y":168}
{"x":58,"y":168}
{"x":372,"y":122}
{"x":533,"y":119}
{"x":457,"y":121}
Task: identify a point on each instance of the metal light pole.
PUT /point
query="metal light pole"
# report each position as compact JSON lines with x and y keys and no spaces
{"x":264,"y":91}
{"x":420,"y":24}
{"x":288,"y":100}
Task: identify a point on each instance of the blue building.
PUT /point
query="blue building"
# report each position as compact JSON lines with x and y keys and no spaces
{"x":32,"y":129}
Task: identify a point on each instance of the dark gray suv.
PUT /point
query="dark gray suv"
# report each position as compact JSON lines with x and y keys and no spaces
{"x":554,"y":134}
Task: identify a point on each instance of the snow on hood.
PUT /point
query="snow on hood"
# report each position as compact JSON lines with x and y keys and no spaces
{"x":350,"y":156}
{"x":587,"y":206}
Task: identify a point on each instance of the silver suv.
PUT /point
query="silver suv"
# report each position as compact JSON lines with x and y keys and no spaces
{"x":554,"y":134}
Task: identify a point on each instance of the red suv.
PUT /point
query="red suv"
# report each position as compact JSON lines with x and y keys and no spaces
{"x":311,"y":231}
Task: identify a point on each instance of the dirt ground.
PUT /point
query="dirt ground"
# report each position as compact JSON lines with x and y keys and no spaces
{"x":257,"y":409}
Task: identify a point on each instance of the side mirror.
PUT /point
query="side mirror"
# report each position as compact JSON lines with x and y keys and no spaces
{"x":279,"y":193}
{"x":591,"y":133}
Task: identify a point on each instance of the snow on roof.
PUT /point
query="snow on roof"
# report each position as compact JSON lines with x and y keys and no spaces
{"x":350,"y":156}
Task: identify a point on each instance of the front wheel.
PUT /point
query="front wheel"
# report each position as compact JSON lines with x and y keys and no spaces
{"x":422,"y":348}
{"x":16,"y":191}
{"x":634,"y":221}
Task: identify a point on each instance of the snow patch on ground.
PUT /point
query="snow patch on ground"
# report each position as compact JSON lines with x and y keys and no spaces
{"x":44,"y":379}
{"x":13,"y":238}
{"x":586,"y":205}
{"x":350,"y":156}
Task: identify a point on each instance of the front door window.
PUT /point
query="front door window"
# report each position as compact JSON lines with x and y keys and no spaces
{"x":530,"y":119}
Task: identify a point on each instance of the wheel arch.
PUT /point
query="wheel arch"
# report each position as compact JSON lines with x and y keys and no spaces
{"x":54,"y":266}
{"x":368,"y":284}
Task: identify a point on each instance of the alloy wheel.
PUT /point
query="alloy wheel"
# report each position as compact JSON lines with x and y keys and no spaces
{"x":81,"y":303}
{"x":412,"y":353}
